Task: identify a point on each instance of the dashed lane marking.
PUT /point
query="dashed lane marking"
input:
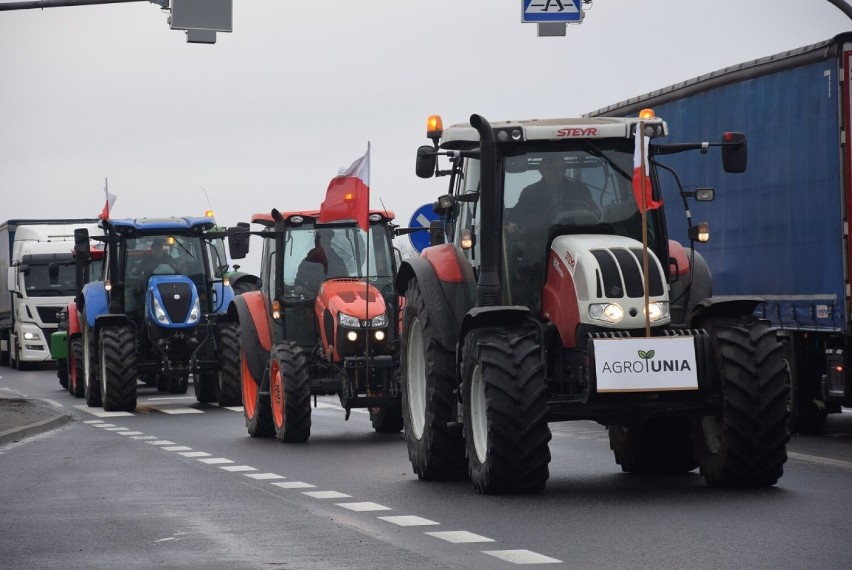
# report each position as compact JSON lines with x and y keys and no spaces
{"x":99,"y":412}
{"x":293,"y":485}
{"x":130,"y":432}
{"x":177,"y":448}
{"x":521,"y":556}
{"x":409,"y":520}
{"x":114,"y":428}
{"x":363,"y":507}
{"x":238,"y":468}
{"x":460,"y":536}
{"x":160,"y":442}
{"x":215,"y":460}
{"x":263,"y":476}
{"x":195,"y":454}
{"x":176,"y":411}
{"x":93,"y":422}
{"x":326,"y":494}
{"x":820,"y":460}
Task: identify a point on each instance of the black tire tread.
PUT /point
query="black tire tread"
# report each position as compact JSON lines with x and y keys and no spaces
{"x":119,"y":357}
{"x":230,"y":387}
{"x":293,"y":365}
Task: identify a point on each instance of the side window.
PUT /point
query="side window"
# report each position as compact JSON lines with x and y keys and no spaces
{"x":268,"y":277}
{"x":466,"y":212}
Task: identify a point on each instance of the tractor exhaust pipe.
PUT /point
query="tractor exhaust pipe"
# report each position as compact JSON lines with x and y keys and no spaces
{"x":488,"y":288}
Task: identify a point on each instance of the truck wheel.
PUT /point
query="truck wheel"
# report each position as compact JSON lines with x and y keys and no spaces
{"x":436,"y":450}
{"x":807,"y":417}
{"x":505,"y":410}
{"x":118,"y":369}
{"x":661,"y":446}
{"x":76,"y":385}
{"x":230,"y":391}
{"x":91,"y":381}
{"x":204,"y":386}
{"x":290,"y":393}
{"x":256,"y":407}
{"x":745,"y":443}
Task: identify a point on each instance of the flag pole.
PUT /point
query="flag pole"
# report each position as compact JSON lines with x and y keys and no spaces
{"x":645,"y":263}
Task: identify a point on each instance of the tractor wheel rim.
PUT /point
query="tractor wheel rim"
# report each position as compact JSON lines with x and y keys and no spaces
{"x":277,"y":394}
{"x":416,"y":379}
{"x":478,"y":414}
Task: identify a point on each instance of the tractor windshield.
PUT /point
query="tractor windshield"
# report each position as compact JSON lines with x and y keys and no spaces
{"x":315,"y":253}
{"x":581,"y":187}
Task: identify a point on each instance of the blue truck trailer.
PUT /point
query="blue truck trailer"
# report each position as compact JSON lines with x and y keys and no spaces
{"x":780,"y":230}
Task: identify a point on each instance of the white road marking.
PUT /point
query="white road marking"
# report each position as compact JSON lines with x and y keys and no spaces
{"x":144,"y":437}
{"x":363,"y":507}
{"x":99,"y":412}
{"x":130,"y":432}
{"x":326,"y":494}
{"x":93,"y":422}
{"x":114,"y":428}
{"x":409,"y":520}
{"x":195,"y":454}
{"x":160,"y":442}
{"x":177,"y":448}
{"x":263,"y":476}
{"x":215,"y":461}
{"x":293,"y":485}
{"x":169,"y":398}
{"x":233,"y":408}
{"x":521,"y":556}
{"x":460,"y":536}
{"x":238,"y":468}
{"x":820,"y":460}
{"x":105,"y":426}
{"x":176,"y":411}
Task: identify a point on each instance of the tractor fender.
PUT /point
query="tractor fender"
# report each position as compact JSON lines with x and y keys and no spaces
{"x":255,"y":332}
{"x":448,"y":285}
{"x":73,"y":320}
{"x":111,"y":320}
{"x":722,"y":306}
{"x":690,"y":283}
{"x":94,"y":301}
{"x":505,"y":317}
{"x":243,"y":282}
{"x":224,"y":296}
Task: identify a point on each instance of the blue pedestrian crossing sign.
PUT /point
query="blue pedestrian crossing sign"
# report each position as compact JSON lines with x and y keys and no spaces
{"x":422,"y":218}
{"x":543,"y":11}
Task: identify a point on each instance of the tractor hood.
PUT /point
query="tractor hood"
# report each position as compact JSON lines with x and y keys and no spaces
{"x":352,"y":297}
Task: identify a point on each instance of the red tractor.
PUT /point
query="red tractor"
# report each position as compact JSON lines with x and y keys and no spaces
{"x":324,"y":322}
{"x":555,"y":298}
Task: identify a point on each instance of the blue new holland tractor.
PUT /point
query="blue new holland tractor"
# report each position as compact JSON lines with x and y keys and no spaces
{"x":155,"y":315}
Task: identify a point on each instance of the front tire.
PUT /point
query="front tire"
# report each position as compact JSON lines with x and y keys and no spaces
{"x":505,"y":430}
{"x":745,"y":444}
{"x":205,"y":387}
{"x":230,"y":390}
{"x":76,"y":386}
{"x":256,"y":407}
{"x":436,"y":449}
{"x":91,"y":380}
{"x":118,"y":369}
{"x":290,"y":393}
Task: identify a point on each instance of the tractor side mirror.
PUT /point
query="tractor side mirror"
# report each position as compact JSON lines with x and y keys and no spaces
{"x":238,"y":240}
{"x":734,"y":152}
{"x":81,"y":244}
{"x":427,"y":160}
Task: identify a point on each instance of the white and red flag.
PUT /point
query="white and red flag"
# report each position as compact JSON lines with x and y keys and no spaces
{"x":641,"y":177}
{"x":348,"y":194}
{"x":110,"y":200}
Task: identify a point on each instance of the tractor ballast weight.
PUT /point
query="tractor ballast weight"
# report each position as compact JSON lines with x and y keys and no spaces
{"x":515,"y":322}
{"x":156,"y":314}
{"x":324,"y":322}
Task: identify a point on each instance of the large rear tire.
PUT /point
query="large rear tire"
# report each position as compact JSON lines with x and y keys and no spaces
{"x":76,"y":383}
{"x":290,"y":393}
{"x":91,"y":378}
{"x":745,"y":445}
{"x":256,"y":407}
{"x":505,"y":409}
{"x":661,"y":446}
{"x":230,"y":390}
{"x":205,"y":387}
{"x":436,"y":449}
{"x":118,"y":368}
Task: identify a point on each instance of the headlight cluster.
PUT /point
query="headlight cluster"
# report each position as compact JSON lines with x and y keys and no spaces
{"x":613,"y":312}
{"x":162,"y":317}
{"x":375,"y":324}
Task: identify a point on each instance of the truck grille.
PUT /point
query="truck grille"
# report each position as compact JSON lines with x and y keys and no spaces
{"x":621,"y":272}
{"x":176,"y":300}
{"x":49,"y":315}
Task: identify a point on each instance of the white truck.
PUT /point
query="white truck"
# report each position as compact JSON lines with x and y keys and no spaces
{"x":30,"y":301}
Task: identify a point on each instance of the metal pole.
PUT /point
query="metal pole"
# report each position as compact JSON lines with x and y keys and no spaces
{"x":646,"y":284}
{"x":42,"y":4}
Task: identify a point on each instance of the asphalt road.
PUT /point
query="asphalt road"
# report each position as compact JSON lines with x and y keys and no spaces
{"x":179,"y":484}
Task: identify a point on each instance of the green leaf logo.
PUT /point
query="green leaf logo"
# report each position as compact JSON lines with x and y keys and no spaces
{"x":646,"y":355}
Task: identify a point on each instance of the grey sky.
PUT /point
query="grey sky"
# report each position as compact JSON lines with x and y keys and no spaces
{"x":266,"y":116}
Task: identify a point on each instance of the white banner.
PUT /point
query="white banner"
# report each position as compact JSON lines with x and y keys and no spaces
{"x":645,"y":364}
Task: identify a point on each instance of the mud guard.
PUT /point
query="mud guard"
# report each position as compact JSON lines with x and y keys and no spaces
{"x":447,"y":281}
{"x":95,"y":301}
{"x":255,"y":332}
{"x":714,"y":307}
{"x":504,"y":317}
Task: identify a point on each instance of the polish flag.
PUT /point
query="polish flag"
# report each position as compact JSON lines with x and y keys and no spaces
{"x":348,"y":194}
{"x":109,"y":201}
{"x":641,"y":174}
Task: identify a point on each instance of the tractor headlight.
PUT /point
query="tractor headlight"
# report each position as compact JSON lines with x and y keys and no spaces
{"x":607,"y":312}
{"x":380,"y":321}
{"x":658,"y":311}
{"x":348,"y":321}
{"x":194,"y":312}
{"x":159,"y":313}
{"x":380,"y":335}
{"x":351,"y":336}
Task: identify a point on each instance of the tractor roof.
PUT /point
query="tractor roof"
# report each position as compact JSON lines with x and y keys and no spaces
{"x":266,"y":219}
{"x":165,"y":224}
{"x":463,"y":135}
